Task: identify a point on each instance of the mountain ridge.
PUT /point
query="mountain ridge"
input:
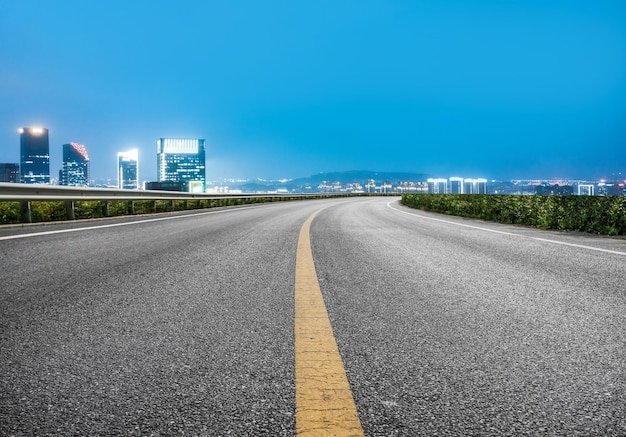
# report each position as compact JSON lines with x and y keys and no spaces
{"x":311,"y":183}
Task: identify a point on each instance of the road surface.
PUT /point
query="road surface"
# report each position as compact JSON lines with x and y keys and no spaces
{"x":183,"y":324}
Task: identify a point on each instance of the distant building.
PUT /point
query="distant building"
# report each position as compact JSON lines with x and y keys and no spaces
{"x":554,"y":190}
{"x":412,"y":187}
{"x":585,"y":189}
{"x":610,"y":189}
{"x":475,"y":186}
{"x":34,"y":155}
{"x":9,"y":172}
{"x":456,"y":185}
{"x":437,"y":186}
{"x":128,"y":170}
{"x":75,"y":170}
{"x":182,"y":160}
{"x":166,"y":186}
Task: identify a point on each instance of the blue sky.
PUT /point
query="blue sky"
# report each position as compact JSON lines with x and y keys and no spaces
{"x":282,"y":89}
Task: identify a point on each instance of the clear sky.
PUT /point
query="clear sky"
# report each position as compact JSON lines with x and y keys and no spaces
{"x":283,"y":89}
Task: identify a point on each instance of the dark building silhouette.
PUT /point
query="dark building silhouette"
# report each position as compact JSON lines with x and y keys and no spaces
{"x":611,"y":189}
{"x":166,"y":186}
{"x":554,"y":190}
{"x":75,"y":170}
{"x":34,"y":156}
{"x":9,"y":172}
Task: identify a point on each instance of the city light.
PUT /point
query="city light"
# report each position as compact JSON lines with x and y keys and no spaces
{"x":132,"y":154}
{"x":32,"y":130}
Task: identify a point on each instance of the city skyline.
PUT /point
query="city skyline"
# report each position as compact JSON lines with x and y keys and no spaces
{"x":526,"y":89}
{"x":181,"y":167}
{"x":616,"y":176}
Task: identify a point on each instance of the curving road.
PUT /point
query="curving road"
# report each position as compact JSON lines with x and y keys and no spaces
{"x":183,"y":324}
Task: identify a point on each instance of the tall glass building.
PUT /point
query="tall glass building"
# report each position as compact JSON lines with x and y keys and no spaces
{"x":34,"y":156}
{"x":182,"y":160}
{"x":75,"y":170}
{"x":128,"y":170}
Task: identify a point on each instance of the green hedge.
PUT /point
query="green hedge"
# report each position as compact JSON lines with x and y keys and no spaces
{"x":10,"y":212}
{"x":55,"y":210}
{"x":600,"y":215}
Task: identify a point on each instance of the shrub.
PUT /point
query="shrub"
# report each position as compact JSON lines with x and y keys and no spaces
{"x":602,"y":215}
{"x":10,"y":212}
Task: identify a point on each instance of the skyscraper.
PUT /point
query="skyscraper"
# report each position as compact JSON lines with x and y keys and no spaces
{"x":128,"y":170}
{"x":9,"y":172}
{"x":34,"y":156}
{"x":182,"y":160}
{"x":75,"y":170}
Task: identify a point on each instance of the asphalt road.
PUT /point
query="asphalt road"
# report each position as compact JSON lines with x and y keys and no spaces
{"x":184,"y":325}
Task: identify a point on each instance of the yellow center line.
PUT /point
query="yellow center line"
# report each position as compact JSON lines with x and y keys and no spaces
{"x":324,"y":402}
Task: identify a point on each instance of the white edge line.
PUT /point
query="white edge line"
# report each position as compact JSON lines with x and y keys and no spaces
{"x":112,"y":225}
{"x":451,"y":222}
{"x":546,"y":240}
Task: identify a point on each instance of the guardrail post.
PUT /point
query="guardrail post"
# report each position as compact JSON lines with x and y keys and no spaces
{"x":170,"y":205}
{"x":106,"y":212}
{"x":185,"y":204}
{"x":25,"y":212}
{"x":69,"y":210}
{"x":153,"y":207}
{"x":131,"y":206}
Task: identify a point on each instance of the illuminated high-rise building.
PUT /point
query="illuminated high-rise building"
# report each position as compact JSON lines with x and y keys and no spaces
{"x":586,"y":189}
{"x":34,"y":155}
{"x":182,"y":160}
{"x":9,"y":172}
{"x":437,"y":185}
{"x":456,"y":185}
{"x":128,"y":170}
{"x":75,"y":170}
{"x":475,"y":186}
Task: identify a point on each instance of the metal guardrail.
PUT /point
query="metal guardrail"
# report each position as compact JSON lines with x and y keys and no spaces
{"x":26,"y":193}
{"x":40,"y":192}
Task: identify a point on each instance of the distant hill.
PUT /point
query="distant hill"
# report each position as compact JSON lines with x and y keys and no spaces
{"x":311,"y":183}
{"x":361,"y":177}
